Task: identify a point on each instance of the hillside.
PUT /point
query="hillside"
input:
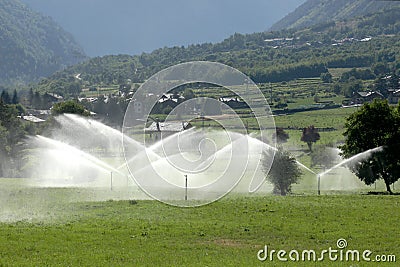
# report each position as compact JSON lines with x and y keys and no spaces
{"x":31,"y":45}
{"x":265,"y":57}
{"x":314,"y":12}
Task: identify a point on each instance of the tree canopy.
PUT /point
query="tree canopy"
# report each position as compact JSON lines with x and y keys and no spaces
{"x":70,"y":106}
{"x":284,"y":171}
{"x":310,"y":135}
{"x":374,"y":125}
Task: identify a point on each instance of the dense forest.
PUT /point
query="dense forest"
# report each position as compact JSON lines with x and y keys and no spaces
{"x":32,"y":46}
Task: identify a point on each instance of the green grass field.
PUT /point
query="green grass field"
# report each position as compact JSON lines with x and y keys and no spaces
{"x":229,"y":232}
{"x":84,"y":227}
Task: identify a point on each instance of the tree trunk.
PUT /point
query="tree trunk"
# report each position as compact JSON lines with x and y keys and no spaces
{"x":283,"y":192}
{"x":388,"y":187}
{"x":309,"y":146}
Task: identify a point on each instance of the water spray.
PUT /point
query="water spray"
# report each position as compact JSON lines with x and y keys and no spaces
{"x":358,"y":157}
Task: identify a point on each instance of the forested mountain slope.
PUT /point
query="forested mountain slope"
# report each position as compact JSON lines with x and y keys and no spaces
{"x":32,"y":45}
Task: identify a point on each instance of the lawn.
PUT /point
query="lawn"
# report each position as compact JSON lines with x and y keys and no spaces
{"x":229,"y":232}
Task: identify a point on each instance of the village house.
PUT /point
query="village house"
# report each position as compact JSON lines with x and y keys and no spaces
{"x":364,"y":97}
{"x":394,"y":96}
{"x":233,"y":102}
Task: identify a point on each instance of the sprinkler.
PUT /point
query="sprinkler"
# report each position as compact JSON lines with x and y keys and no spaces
{"x":111,"y":181}
{"x":319,"y":184}
{"x":186,"y":188}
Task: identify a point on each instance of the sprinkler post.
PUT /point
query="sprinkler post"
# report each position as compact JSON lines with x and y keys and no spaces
{"x":111,"y":181}
{"x":319,"y":184}
{"x":186,"y":188}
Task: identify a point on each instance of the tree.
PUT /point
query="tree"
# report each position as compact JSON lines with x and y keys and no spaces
{"x":100,"y":106}
{"x":5,"y":97}
{"x":351,"y":87}
{"x":37,"y":100}
{"x":71,"y":107}
{"x":280,"y":136}
{"x":323,"y":156}
{"x":4,"y":149}
{"x":11,"y":134}
{"x":15,"y":99}
{"x":73,"y":89}
{"x":114,"y":112}
{"x":188,"y":94}
{"x":310,"y":135}
{"x":380,"y":68}
{"x":30,"y":97}
{"x":326,"y":77}
{"x":375,"y":125}
{"x":284,"y":171}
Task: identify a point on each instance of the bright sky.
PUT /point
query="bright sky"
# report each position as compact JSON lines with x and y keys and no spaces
{"x":135,"y":26}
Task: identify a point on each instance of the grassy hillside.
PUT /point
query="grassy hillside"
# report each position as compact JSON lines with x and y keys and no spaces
{"x":314,"y":12}
{"x":31,"y":45}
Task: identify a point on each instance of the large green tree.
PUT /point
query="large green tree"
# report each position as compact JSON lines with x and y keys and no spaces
{"x":374,"y":125}
{"x":284,"y":171}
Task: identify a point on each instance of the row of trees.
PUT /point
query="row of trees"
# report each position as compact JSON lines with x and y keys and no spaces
{"x":310,"y":135}
{"x":8,"y":99}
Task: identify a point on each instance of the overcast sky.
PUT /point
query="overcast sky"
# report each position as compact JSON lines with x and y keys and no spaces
{"x":135,"y":26}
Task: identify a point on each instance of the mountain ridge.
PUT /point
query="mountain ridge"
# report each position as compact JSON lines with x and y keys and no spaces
{"x":319,"y":11}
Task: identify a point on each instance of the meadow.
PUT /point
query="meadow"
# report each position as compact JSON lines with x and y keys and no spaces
{"x":229,"y":232}
{"x":122,"y":227}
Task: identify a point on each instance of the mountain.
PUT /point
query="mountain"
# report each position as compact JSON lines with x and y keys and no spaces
{"x":318,"y":11}
{"x":109,"y":27}
{"x":32,"y":45}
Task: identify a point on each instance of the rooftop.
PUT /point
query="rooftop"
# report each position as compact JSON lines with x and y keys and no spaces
{"x":31,"y":118}
{"x":171,"y":126}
